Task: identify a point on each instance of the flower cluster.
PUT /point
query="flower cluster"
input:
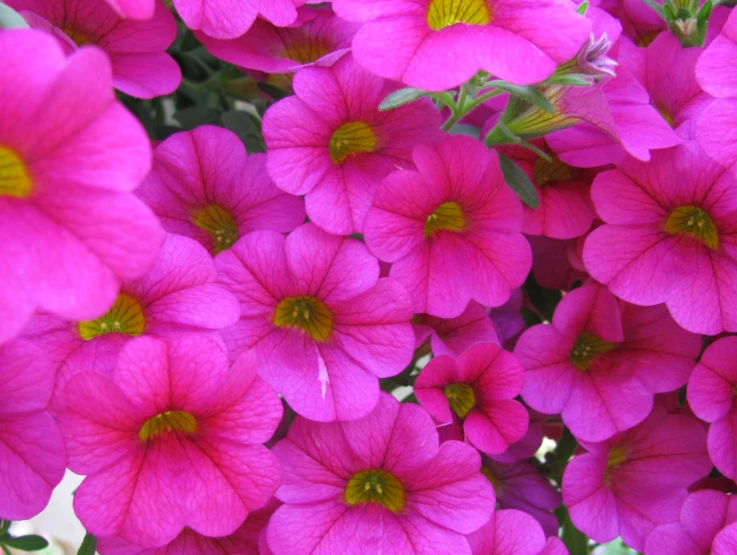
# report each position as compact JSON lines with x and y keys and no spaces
{"x":412,"y":277}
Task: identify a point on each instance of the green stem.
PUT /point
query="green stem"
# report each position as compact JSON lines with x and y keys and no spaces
{"x":466,"y":105}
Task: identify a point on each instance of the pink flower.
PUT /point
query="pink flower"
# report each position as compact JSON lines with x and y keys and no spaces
{"x":669,"y":237}
{"x":703,"y":516}
{"x":666,"y":70}
{"x":556,"y":263}
{"x":507,"y":318}
{"x":637,"y":480}
{"x":179,"y":294}
{"x":711,"y":392}
{"x":479,"y":388}
{"x":565,"y":209}
{"x":451,"y":229}
{"x":378,"y":484}
{"x":204,"y":186}
{"x":31,"y":450}
{"x":324,"y":324}
{"x":172,"y":439}
{"x":227,"y":19}
{"x":522,"y":486}
{"x":510,"y":532}
{"x":137,"y":49}
{"x":317,"y":38}
{"x":80,"y":167}
{"x":439,"y":44}
{"x":249,"y":539}
{"x":331,"y":143}
{"x":718,"y":77}
{"x":601,"y":362}
{"x":455,"y":335}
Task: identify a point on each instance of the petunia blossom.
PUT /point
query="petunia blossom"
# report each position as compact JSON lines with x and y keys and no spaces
{"x":454,"y":335}
{"x":378,"y":484}
{"x":512,"y":532}
{"x":601,"y":362}
{"x":317,"y":37}
{"x":637,"y":480}
{"x":227,"y":19}
{"x":32,"y":454}
{"x":324,"y":324}
{"x":249,"y":539}
{"x":72,"y":232}
{"x":711,"y":393}
{"x":439,"y":44}
{"x":451,"y":230}
{"x":556,"y":263}
{"x":171,"y":440}
{"x":522,"y":486}
{"x":703,"y":516}
{"x":137,"y":49}
{"x":331,"y":143}
{"x":204,"y":186}
{"x":179,"y":294}
{"x":669,"y":236}
{"x":478,"y":387}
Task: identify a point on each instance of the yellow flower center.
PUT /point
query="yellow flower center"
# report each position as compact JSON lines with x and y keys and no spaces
{"x":555,"y":170}
{"x":305,"y":51}
{"x":588,"y":347}
{"x":78,"y":37}
{"x":14,"y":178}
{"x":219,"y":224}
{"x":647,"y":38}
{"x":307,"y":313}
{"x":351,"y":138}
{"x":486,"y":471}
{"x":376,"y":486}
{"x":693,"y":222}
{"x":126,"y":316}
{"x":444,"y":13}
{"x":169,"y":421}
{"x":461,"y":398}
{"x":617,"y":455}
{"x":447,"y":216}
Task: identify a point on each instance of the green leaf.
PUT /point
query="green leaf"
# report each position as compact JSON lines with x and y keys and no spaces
{"x":10,"y":19}
{"x":518,"y":181}
{"x":189,"y":42}
{"x":570,"y":79}
{"x":26,"y":543}
{"x":400,"y":97}
{"x":463,"y":129}
{"x":274,"y":92}
{"x":655,"y":6}
{"x":583,"y":7}
{"x":575,"y":540}
{"x":243,"y":125}
{"x":89,"y":545}
{"x":527,"y":92}
{"x":195,"y":116}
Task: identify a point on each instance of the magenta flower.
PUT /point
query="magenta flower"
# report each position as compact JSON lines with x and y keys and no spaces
{"x":380,"y":483}
{"x":317,"y":38}
{"x":249,"y":539}
{"x":711,"y":392}
{"x":31,"y":450}
{"x":703,"y":517}
{"x":204,"y":186}
{"x":331,"y":143}
{"x":666,"y":69}
{"x":522,"y":486}
{"x":172,"y":439}
{"x":556,"y":264}
{"x":227,"y":19}
{"x":669,"y":237}
{"x":507,"y":318}
{"x":601,"y":362}
{"x":74,"y":167}
{"x":439,"y":44}
{"x":179,"y":294}
{"x":137,"y":49}
{"x":451,"y":230}
{"x":479,"y":388}
{"x":637,"y":480}
{"x":511,"y":532}
{"x":454,"y":335}
{"x":565,"y":209}
{"x":718,"y":77}
{"x":323,"y":322}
